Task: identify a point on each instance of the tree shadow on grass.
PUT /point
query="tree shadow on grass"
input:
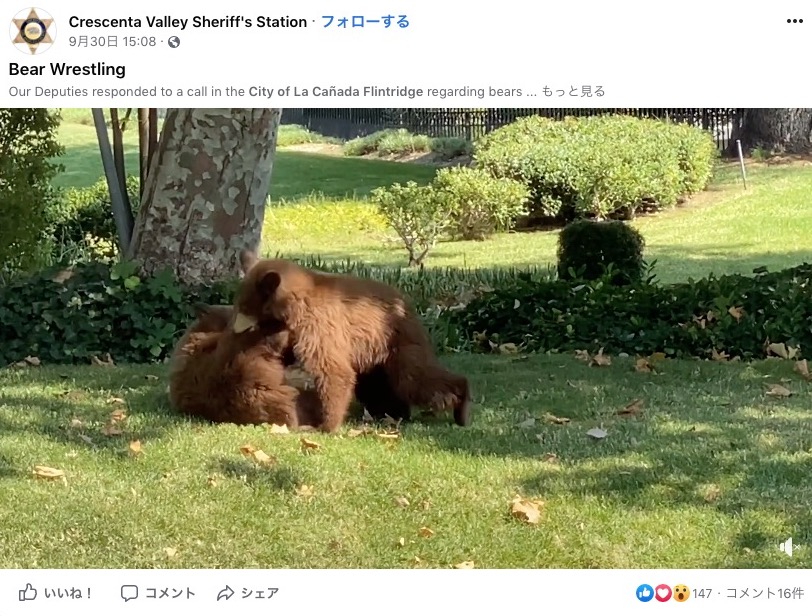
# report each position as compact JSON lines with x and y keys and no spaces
{"x":707,"y":436}
{"x":277,"y":477}
{"x":72,"y":405}
{"x":7,"y":468}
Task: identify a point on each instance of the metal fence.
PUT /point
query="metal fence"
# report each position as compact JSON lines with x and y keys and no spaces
{"x":473,"y":123}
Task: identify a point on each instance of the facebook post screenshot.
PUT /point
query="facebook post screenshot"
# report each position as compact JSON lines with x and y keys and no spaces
{"x":461,"y":354}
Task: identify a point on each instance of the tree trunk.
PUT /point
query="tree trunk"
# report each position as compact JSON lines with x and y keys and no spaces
{"x":780,"y":131}
{"x":205,"y":193}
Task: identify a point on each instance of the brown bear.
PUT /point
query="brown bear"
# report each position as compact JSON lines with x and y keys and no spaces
{"x":372,"y":390}
{"x":230,"y":377}
{"x":343,"y":326}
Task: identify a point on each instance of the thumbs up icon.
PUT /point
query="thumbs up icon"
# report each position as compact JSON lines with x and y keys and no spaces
{"x":29,"y":593}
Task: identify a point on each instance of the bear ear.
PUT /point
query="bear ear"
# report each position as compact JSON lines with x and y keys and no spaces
{"x":267,"y":285}
{"x":248,"y":259}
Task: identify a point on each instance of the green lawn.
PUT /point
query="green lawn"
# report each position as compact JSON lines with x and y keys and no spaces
{"x":713,"y":473}
{"x":318,"y":208}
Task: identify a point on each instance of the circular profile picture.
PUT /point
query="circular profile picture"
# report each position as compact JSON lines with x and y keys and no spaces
{"x":33,"y":31}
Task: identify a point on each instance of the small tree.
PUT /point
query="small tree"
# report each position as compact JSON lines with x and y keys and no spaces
{"x":417,"y":214}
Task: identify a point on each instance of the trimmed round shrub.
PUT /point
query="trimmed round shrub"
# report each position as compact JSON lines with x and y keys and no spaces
{"x":589,"y":250}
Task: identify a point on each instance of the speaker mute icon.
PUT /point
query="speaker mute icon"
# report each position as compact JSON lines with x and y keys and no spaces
{"x":786,"y":546}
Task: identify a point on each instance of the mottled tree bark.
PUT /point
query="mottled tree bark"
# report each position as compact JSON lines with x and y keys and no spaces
{"x":787,"y":130}
{"x":205,"y":193}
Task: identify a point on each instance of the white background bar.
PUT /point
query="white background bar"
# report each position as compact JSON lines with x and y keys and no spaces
{"x":640,"y":54}
{"x":394,"y":592}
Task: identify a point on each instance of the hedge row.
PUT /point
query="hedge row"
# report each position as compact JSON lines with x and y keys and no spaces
{"x":102,"y":309}
{"x":600,"y":165}
{"x":736,"y":315}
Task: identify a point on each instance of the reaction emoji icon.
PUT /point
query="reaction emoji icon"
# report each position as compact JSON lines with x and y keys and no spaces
{"x":681,"y":593}
{"x":645,"y":593}
{"x":662,"y":593}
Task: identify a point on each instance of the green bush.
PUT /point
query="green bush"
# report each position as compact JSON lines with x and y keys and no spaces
{"x":449,"y":148}
{"x":367,"y":144}
{"x":590,"y":250}
{"x":733,"y":316}
{"x":402,"y":141}
{"x":296,"y":134}
{"x":28,"y":144}
{"x":479,"y":205}
{"x":598,"y":166}
{"x":398,"y":141}
{"x":83,"y":212}
{"x":415,"y":213}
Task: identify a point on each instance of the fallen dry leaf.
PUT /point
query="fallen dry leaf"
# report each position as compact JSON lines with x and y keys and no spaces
{"x":112,"y":429}
{"x":390,"y":421}
{"x":508,"y":348}
{"x":582,"y":355}
{"x":32,"y":361}
{"x":388,"y":436}
{"x":468,"y":564}
{"x":779,"y":349}
{"x":105,"y":360}
{"x":134,"y":448}
{"x":211,"y":482}
{"x":550,"y":458}
{"x":425,"y":532}
{"x":528,"y":511}
{"x":402,"y":501}
{"x":367,"y":418}
{"x":561,"y":421}
{"x":597,"y":433}
{"x":355,"y":432}
{"x":802,"y":368}
{"x":737,"y":312}
{"x":631,"y":409}
{"x":527,"y":423}
{"x":402,"y":542}
{"x":72,"y":454}
{"x":643,"y":365}
{"x":425,"y":505}
{"x":46,"y":472}
{"x":76,"y":423}
{"x":600,"y":359}
{"x":115,"y":400}
{"x":304,"y":491}
{"x":719,"y":356}
{"x":277,"y":429}
{"x":150,"y":377}
{"x":118,"y":415}
{"x":170,"y":552}
{"x":308,"y":445}
{"x":259,"y":456}
{"x":779,"y":391}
